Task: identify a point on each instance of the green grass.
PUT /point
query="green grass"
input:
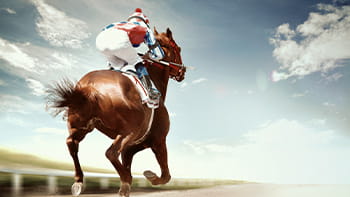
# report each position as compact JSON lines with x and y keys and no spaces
{"x":12,"y":159}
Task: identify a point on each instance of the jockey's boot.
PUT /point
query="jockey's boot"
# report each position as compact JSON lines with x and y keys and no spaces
{"x":154,"y":94}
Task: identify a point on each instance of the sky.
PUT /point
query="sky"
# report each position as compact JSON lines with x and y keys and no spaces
{"x":267,"y":100}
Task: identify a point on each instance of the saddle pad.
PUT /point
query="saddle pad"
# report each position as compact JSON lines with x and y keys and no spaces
{"x":153,"y":104}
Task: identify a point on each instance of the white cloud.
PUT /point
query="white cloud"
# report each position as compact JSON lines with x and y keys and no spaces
{"x":196,"y":81}
{"x":183,"y":84}
{"x":13,"y":54}
{"x":327,"y":104}
{"x":2,"y":83}
{"x":58,"y":28}
{"x":9,"y":10}
{"x":200,"y":80}
{"x":10,"y":103}
{"x":250,"y":92}
{"x":172,"y":114}
{"x":39,"y":65}
{"x":282,"y":151}
{"x":320,"y":44}
{"x":15,"y":121}
{"x":208,"y":147}
{"x":37,"y":87}
{"x":298,"y":95}
{"x":333,"y":77}
{"x":54,"y":131}
{"x":318,"y":122}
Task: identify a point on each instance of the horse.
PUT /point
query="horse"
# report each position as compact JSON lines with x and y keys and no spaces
{"x":108,"y":101}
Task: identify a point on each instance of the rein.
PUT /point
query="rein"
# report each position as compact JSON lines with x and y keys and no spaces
{"x":176,"y":71}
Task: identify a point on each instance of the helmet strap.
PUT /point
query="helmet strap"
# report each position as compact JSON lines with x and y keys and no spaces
{"x":138,"y":17}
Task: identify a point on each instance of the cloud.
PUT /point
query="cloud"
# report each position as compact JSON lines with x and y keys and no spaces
{"x":48,"y":130}
{"x":38,"y":89}
{"x":9,"y":10}
{"x":38,"y":64}
{"x":196,"y":81}
{"x":207,"y":147}
{"x":58,"y":28}
{"x":200,"y":80}
{"x":281,"y":151}
{"x":298,"y":95}
{"x":15,"y":121}
{"x":183,"y":85}
{"x":318,"y":122}
{"x":13,"y":54}
{"x":320,"y":44}
{"x":250,"y":92}
{"x":2,"y":83}
{"x":327,"y":104}
{"x":16,"y":104}
{"x":172,"y":114}
{"x":334,"y":77}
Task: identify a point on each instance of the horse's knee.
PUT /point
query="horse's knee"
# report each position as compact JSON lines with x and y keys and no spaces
{"x":72,"y":145}
{"x":111,"y":155}
{"x":69,"y":141}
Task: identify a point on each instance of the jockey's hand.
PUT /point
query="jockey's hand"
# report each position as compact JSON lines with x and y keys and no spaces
{"x":146,"y":56}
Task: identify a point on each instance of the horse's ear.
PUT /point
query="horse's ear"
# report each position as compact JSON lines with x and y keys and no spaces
{"x":155,"y":31}
{"x":169,"y":33}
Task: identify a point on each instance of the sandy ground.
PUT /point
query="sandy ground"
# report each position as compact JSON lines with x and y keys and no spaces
{"x":249,"y":190}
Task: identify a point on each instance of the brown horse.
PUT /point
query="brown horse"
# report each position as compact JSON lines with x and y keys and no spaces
{"x":108,"y":101}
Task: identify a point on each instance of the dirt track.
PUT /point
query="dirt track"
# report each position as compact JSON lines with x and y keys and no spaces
{"x":249,"y":190}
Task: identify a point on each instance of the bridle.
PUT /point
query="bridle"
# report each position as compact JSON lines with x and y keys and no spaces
{"x":177,"y":70}
{"x":176,"y":50}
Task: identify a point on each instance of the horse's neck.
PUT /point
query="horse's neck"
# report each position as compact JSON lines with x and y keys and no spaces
{"x":160,"y":78}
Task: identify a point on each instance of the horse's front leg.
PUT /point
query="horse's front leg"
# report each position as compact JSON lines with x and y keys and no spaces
{"x":160,"y":151}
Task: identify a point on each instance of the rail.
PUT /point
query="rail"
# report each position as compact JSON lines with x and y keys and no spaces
{"x":51,"y":174}
{"x":16,"y":180}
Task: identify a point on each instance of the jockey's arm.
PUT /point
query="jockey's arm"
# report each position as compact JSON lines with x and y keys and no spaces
{"x":155,"y":51}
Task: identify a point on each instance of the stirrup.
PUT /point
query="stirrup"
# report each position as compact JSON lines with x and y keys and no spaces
{"x":154,"y":94}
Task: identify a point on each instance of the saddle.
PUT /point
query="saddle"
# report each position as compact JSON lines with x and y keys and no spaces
{"x":176,"y":72}
{"x":145,"y":98}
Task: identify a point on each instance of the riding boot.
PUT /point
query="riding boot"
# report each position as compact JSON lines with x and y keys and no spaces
{"x":154,"y":94}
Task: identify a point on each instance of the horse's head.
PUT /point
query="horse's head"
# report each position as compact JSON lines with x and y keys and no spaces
{"x":169,"y":46}
{"x":172,"y":52}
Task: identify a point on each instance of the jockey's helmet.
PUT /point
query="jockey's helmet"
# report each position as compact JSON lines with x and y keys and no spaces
{"x":138,"y":14}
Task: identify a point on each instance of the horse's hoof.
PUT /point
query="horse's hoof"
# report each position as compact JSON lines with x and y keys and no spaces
{"x":124,"y":190}
{"x":150,"y":175}
{"x":77,"y":187}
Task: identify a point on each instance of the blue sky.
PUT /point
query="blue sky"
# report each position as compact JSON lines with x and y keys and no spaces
{"x":267,"y":100}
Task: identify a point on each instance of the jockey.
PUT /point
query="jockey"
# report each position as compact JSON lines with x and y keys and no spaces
{"x":117,"y":42}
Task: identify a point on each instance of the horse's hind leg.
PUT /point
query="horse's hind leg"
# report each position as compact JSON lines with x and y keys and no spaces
{"x":161,"y":154}
{"x":78,"y":130}
{"x":113,"y":153}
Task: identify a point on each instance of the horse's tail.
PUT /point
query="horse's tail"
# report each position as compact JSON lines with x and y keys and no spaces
{"x":65,"y":94}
